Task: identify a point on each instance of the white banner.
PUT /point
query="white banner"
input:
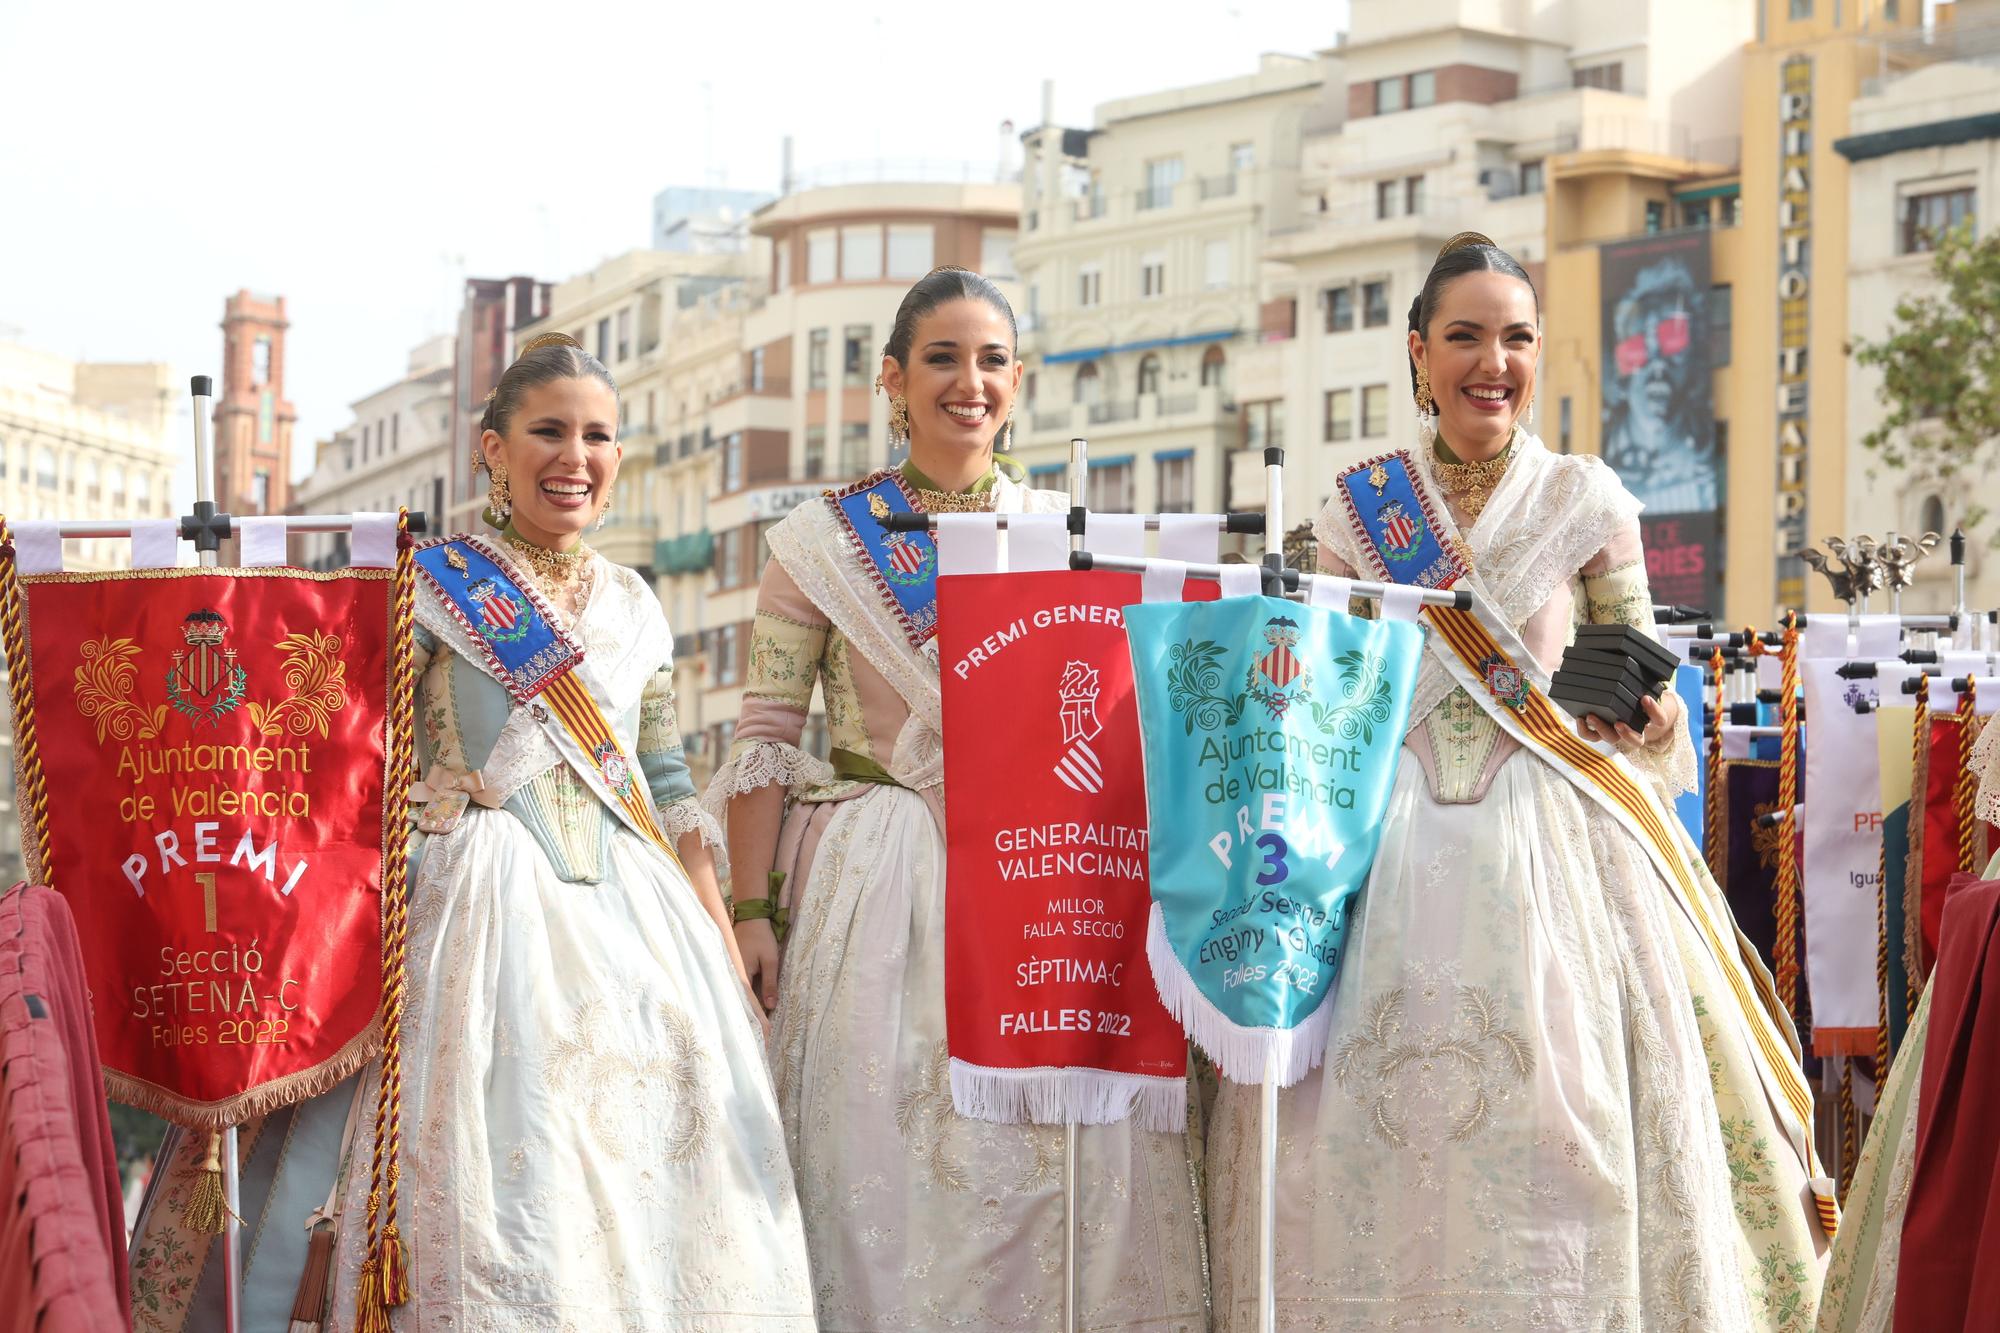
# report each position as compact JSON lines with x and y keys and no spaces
{"x":1842,"y":868}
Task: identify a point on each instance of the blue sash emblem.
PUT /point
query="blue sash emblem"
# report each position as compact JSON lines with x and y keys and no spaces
{"x":904,"y":563}
{"x":525,"y":650}
{"x":1398,"y":523}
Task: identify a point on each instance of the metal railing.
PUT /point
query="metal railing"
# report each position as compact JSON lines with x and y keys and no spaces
{"x":1218,"y":187}
{"x":1153,"y":196}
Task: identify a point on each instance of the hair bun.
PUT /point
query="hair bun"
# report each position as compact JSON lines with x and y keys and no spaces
{"x":542,"y":340}
{"x":1464,"y":239}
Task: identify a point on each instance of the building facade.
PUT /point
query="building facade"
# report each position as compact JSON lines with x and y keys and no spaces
{"x":1139,"y":249}
{"x":80,"y":440}
{"x":1923,"y":153}
{"x":395,"y":453}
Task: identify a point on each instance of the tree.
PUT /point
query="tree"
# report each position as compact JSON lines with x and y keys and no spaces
{"x":1940,"y":367}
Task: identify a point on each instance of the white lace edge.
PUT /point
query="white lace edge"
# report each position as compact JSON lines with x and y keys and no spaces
{"x":761,"y":764}
{"x":687,"y":816}
{"x":1984,"y":762}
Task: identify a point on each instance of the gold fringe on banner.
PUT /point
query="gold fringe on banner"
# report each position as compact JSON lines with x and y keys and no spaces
{"x":30,"y":787}
{"x":385,"y":1272}
{"x":1785,"y":958}
{"x":1967,"y":788}
{"x":1715,"y":809}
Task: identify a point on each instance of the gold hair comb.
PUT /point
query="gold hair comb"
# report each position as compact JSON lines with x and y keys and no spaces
{"x":542,"y":340}
{"x":1464,"y":239}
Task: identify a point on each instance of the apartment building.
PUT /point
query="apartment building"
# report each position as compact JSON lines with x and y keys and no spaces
{"x":1140,"y":245}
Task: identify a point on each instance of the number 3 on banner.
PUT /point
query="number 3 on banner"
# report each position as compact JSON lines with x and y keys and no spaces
{"x":206,"y":879}
{"x":1275,"y":870}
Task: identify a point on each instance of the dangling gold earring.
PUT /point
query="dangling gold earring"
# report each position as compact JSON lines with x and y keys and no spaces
{"x":498,"y":498}
{"x":1426,"y":405}
{"x":602,"y":514}
{"x":899,"y":417}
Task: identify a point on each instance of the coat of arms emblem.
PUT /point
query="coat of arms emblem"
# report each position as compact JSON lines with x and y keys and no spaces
{"x":503,"y":616}
{"x":1280,"y":677}
{"x":1399,"y":531}
{"x":907,"y":561}
{"x":1507,"y":682}
{"x":1079,"y":769}
{"x":205,"y":681}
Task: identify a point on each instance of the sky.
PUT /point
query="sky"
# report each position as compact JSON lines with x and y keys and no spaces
{"x":362,"y":159}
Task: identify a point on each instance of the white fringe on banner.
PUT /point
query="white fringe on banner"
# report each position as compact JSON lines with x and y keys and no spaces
{"x":1238,"y":1051}
{"x":1047,"y":1095}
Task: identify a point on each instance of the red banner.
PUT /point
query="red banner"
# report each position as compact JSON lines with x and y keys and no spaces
{"x":1051,"y":1015}
{"x":211,"y":753}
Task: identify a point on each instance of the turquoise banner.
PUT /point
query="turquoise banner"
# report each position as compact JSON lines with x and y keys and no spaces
{"x":1271,"y":732}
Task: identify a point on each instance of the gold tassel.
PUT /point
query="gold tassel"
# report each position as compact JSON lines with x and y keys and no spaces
{"x":207,"y":1211}
{"x":370,"y":1314}
{"x":395,"y":1267}
{"x":309,"y":1306}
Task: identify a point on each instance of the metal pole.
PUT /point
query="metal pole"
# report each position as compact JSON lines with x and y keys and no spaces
{"x":1072,"y":1233}
{"x":1267,"y":1215}
{"x":1079,"y":480}
{"x":201,"y":388}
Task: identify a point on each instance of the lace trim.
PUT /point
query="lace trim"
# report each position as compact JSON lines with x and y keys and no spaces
{"x":687,"y":816}
{"x":1985,"y":764}
{"x":761,"y":764}
{"x":1673,"y":765}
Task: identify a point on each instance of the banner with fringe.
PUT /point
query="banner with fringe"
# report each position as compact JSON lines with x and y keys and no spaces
{"x":1050,"y":1016}
{"x":207,"y":775}
{"x":1272,"y":732}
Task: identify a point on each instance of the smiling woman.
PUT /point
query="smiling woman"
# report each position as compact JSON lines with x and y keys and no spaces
{"x":916,"y":1218}
{"x":590,"y":1135}
{"x":1545,"y":1097}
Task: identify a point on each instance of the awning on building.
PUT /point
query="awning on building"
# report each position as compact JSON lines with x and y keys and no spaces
{"x":1143,"y":345}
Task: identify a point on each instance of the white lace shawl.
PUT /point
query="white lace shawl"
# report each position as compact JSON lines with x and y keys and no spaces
{"x":625,"y":641}
{"x":814,"y":549}
{"x":1550,"y":514}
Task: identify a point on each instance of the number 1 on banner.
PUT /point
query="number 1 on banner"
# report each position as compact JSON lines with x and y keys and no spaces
{"x":206,"y":879}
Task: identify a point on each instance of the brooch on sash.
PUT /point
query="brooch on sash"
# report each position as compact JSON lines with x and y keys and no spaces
{"x":1396,"y":524}
{"x":904,"y":564}
{"x":1505,"y":681}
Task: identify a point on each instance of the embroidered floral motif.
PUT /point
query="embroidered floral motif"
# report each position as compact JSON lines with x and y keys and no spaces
{"x":925,"y":1117}
{"x":1782,"y":1295}
{"x":1416,"y":1084}
{"x":636,"y":1093}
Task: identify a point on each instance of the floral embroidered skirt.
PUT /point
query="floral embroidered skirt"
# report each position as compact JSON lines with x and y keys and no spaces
{"x":591,"y":1139}
{"x":1525,"y":1118}
{"x":918,"y":1219}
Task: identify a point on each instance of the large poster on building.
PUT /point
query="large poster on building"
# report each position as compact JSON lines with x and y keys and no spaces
{"x":1659,"y":416}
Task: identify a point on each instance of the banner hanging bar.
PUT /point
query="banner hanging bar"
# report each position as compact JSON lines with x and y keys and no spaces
{"x":1239,"y":523}
{"x":1086,"y":560}
{"x":303,"y":523}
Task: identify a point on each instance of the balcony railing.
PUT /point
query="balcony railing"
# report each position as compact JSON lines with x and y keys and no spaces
{"x":1218,"y":187}
{"x":1089,"y":207}
{"x":1154,"y":196}
{"x":688,"y":554}
{"x":1120,"y":411}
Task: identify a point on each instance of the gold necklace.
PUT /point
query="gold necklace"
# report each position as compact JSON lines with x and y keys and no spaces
{"x":556,"y":571}
{"x":1472,"y":484}
{"x":954,"y":502}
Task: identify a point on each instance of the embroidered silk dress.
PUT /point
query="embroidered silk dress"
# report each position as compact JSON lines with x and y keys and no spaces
{"x":917,"y":1219}
{"x":591,"y":1138}
{"x":1529,"y":1115}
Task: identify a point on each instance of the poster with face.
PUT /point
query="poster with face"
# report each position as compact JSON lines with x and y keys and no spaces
{"x":1659,"y":419}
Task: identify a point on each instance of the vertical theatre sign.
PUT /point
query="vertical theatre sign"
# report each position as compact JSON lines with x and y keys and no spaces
{"x":1795,"y":108}
{"x":1659,"y":413}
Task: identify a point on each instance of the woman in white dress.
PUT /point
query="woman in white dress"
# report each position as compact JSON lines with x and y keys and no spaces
{"x":1544,"y":1103}
{"x":917,"y":1219}
{"x":590,"y":1136}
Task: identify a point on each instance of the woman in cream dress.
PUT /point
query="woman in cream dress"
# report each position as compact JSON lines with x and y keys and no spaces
{"x":1540,"y":1106}
{"x":918,"y":1220}
{"x":591,"y":1140}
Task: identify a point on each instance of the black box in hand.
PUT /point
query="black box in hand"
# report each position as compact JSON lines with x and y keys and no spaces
{"x":1608,"y":673}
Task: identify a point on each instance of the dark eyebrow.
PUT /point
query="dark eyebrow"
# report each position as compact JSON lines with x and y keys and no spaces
{"x":1481,"y":328}
{"x":942,"y":343}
